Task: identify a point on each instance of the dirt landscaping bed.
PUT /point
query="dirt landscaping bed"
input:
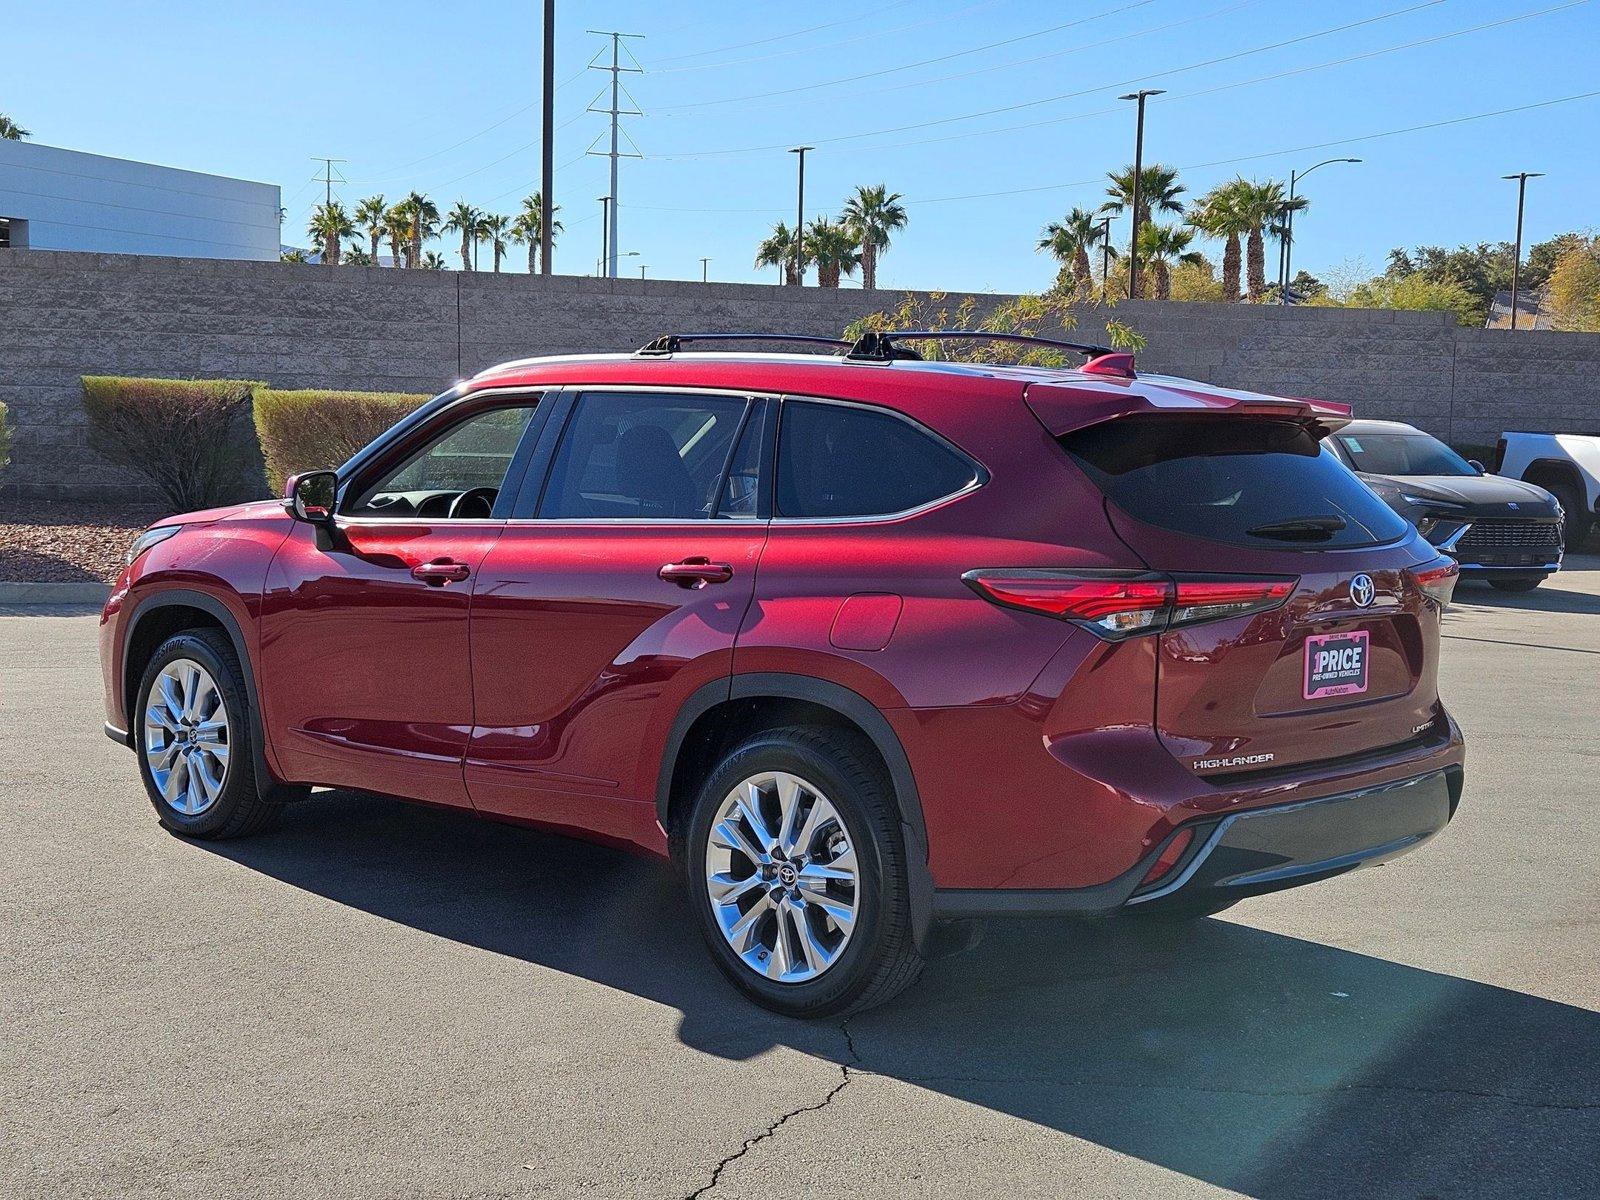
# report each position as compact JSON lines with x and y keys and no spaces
{"x":47,"y":541}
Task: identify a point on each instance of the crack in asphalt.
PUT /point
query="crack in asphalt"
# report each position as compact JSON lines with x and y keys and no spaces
{"x":1265,"y":1093}
{"x":847,"y":1070}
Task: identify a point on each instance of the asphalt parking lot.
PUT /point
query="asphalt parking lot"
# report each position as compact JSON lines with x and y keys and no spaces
{"x":383,"y":1000}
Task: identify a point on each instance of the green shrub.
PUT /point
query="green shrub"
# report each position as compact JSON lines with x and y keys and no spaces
{"x":187,"y":436}
{"x":306,"y":430}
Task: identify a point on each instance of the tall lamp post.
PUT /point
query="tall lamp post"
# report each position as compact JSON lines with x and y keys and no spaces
{"x":1105,"y":260}
{"x":1285,"y":259}
{"x":705,"y":270}
{"x":546,"y":167}
{"x":800,"y":216}
{"x":1522,"y":178}
{"x":1138,"y":173}
{"x":605,"y":232}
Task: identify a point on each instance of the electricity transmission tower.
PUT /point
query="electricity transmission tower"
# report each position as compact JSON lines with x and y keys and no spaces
{"x":616,"y":112}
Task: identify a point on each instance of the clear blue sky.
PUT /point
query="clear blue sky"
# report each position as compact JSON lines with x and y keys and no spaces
{"x":407,"y":92}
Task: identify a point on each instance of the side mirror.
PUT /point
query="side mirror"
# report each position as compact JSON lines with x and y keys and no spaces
{"x":1475,"y":465}
{"x":310,"y":495}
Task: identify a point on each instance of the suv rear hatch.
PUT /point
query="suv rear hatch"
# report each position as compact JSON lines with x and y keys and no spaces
{"x":1335,"y":653}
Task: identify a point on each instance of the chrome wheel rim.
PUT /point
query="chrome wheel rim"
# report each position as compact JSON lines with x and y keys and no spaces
{"x":186,"y":736}
{"x":782,"y":877}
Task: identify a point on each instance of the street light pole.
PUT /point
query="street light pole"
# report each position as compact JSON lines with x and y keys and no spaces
{"x":1105,"y":261}
{"x":547,"y":170}
{"x":642,"y":268}
{"x":1522,"y":178}
{"x":605,"y":233}
{"x":1286,"y":250}
{"x":1138,"y":173}
{"x":705,"y":270}
{"x":800,"y":217}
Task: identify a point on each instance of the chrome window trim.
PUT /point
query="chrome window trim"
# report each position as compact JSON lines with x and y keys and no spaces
{"x":980,"y":473}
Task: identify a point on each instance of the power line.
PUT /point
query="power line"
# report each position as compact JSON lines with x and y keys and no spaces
{"x":972,"y":116}
{"x":780,"y":37}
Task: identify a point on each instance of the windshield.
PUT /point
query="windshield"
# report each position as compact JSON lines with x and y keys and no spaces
{"x":1402,"y":454}
{"x":1254,"y":482}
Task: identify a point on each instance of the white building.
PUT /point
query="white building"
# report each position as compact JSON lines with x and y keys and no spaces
{"x":54,"y":199}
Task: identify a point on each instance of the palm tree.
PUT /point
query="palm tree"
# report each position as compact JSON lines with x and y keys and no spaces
{"x":1220,"y":214}
{"x":778,"y":251}
{"x":1162,"y":247}
{"x":834,"y":247}
{"x":433,"y":261}
{"x":494,"y":230}
{"x":371,"y":215}
{"x":357,"y":257}
{"x":1069,"y":242}
{"x":872,"y":215}
{"x":1159,"y":190}
{"x":1263,"y":205}
{"x":10,"y":131}
{"x":463,"y":219}
{"x":331,"y":223}
{"x":397,"y":229}
{"x":422,"y":222}
{"x":529,"y":226}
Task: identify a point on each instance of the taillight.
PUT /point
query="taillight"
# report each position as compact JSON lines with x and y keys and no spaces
{"x":1438,"y":581}
{"x":1119,"y":604}
{"x":1114,"y":605}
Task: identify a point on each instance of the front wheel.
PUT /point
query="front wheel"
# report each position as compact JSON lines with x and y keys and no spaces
{"x":796,"y":870}
{"x":1576,"y":521}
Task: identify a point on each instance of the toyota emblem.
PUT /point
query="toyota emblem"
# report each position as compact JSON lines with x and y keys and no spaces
{"x":1362,"y":591}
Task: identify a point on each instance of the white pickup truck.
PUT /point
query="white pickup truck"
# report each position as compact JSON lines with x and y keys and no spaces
{"x":1565,"y":464}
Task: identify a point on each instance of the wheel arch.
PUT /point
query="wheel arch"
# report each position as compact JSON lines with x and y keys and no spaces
{"x":1555,"y":470}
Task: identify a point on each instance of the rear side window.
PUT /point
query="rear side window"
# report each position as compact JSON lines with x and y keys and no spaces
{"x":837,"y":460}
{"x":1252,"y":482}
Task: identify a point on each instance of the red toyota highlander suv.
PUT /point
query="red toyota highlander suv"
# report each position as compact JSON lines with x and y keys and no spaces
{"x":862,"y":642}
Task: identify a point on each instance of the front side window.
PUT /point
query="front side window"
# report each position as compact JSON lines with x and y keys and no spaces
{"x":633,"y":455}
{"x":838,"y":460}
{"x":458,"y":474}
{"x":1401,"y":454}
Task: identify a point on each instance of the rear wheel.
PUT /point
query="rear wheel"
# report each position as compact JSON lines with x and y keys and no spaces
{"x":193,"y":737}
{"x":1578,"y":522}
{"x":797,"y":875}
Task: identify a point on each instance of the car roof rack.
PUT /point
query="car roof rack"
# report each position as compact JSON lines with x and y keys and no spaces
{"x":671,"y":343}
{"x":879,"y":346}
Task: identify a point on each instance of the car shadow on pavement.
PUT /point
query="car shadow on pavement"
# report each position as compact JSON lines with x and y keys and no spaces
{"x":1267,"y":1064}
{"x":1541,"y":599}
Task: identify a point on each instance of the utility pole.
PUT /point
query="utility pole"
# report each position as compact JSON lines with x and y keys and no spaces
{"x":605,"y":238}
{"x":705,"y":270}
{"x":327,"y":176}
{"x":800,"y":217}
{"x":1286,"y":249}
{"x":1522,"y":178}
{"x":642,"y":269}
{"x":1105,"y":261}
{"x":547,"y":171}
{"x":1138,"y":180}
{"x":616,"y":112}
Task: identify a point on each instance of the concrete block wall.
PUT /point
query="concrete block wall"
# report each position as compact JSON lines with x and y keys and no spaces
{"x":66,"y":315}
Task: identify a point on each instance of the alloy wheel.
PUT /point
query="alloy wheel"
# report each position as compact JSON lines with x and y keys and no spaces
{"x":782,"y":876}
{"x":186,"y":736}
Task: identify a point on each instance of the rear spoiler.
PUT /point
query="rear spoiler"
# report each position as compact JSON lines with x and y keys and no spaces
{"x":1064,"y":408}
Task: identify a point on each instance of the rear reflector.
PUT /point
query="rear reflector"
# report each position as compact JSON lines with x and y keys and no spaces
{"x":1120,"y":604}
{"x":1169,"y":857}
{"x":1438,"y":580}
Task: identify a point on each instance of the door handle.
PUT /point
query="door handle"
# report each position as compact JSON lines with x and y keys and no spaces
{"x":696,"y":572}
{"x":440,"y":572}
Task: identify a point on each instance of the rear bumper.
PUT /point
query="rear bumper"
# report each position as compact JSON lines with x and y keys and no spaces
{"x":1250,"y":852}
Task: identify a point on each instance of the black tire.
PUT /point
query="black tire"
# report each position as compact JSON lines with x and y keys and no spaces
{"x":1516,"y":585}
{"x":1578,"y":522}
{"x":880,"y":959}
{"x":239,"y":808}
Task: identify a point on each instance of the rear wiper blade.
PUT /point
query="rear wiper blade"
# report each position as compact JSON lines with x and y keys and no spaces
{"x":1308,"y":529}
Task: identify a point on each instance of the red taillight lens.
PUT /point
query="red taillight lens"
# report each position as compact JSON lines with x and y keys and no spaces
{"x":1115,"y":606}
{"x":1213,"y":599}
{"x":1169,"y":857}
{"x":1438,"y":580}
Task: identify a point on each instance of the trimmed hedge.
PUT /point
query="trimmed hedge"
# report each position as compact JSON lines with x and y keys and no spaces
{"x":187,"y":436}
{"x":307,"y":430}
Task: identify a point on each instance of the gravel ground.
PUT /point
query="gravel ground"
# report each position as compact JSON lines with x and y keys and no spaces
{"x":55,"y":542}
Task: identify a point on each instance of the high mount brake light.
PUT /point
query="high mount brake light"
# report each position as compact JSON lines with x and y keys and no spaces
{"x":1117,"y":605}
{"x":1438,"y":580}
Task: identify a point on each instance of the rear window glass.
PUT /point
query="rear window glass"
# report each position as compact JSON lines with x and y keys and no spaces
{"x":1251,"y":482}
{"x":835,"y":460}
